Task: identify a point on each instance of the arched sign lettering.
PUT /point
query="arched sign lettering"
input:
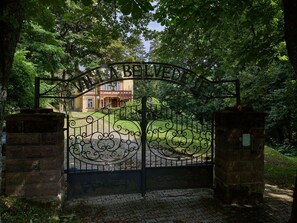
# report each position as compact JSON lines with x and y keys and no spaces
{"x":137,"y":71}
{"x":79,"y":85}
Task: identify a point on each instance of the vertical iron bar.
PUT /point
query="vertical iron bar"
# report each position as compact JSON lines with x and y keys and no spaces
{"x":143,"y":125}
{"x":212,"y":139}
{"x":67,"y":143}
{"x":37,"y":92}
{"x":212,"y":148}
{"x":237,"y":85}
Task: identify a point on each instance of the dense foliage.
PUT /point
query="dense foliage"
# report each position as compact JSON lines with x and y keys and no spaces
{"x":62,"y":39}
{"x":218,"y":40}
{"x":232,"y":40}
{"x":224,"y":39}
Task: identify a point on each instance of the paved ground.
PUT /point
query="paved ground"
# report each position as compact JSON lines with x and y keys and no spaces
{"x":185,"y":206}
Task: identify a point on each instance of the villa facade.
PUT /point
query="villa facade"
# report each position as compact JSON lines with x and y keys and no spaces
{"x":108,"y":95}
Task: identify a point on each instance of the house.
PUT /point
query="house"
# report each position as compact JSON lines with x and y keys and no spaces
{"x":108,"y":95}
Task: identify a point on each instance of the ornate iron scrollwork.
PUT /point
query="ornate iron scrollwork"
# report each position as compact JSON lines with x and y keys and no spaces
{"x":178,"y":138}
{"x":100,"y":140}
{"x":111,"y":139}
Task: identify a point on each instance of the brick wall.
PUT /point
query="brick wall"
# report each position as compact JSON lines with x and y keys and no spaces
{"x":34,"y":154}
{"x":239,"y":170}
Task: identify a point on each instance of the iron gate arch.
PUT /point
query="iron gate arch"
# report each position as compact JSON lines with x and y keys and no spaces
{"x":159,"y":149}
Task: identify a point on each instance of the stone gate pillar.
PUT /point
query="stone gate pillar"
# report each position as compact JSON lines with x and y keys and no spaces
{"x":239,"y":155}
{"x":34,"y":154}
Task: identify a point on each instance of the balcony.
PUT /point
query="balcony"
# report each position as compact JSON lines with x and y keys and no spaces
{"x":122,"y":94}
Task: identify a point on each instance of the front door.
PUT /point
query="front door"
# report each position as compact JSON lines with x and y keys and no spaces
{"x":114,"y":102}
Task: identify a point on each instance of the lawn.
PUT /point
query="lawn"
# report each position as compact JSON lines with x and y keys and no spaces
{"x":182,"y":135}
{"x":183,"y":139}
{"x":279,"y":170}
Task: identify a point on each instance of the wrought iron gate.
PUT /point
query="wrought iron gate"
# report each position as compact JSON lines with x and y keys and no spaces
{"x":139,"y":147}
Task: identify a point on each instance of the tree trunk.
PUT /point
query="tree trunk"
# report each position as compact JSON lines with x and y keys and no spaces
{"x":290,"y":18}
{"x":293,"y":218}
{"x":289,"y":127}
{"x":11,"y":19}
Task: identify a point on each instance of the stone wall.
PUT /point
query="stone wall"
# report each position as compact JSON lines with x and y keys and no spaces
{"x":239,"y":169}
{"x":34,"y":154}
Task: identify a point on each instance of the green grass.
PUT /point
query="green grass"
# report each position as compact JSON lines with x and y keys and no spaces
{"x":80,"y":118}
{"x":168,"y":139}
{"x":127,"y":125}
{"x":165,"y":134}
{"x":279,"y":169}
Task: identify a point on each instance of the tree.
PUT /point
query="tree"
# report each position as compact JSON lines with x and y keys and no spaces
{"x":245,"y":40}
{"x":14,"y":12}
{"x":21,"y":83}
{"x":88,"y":30}
{"x":234,"y":41}
{"x":12,"y":15}
{"x":290,"y":18}
{"x":11,"y":20}
{"x":38,"y":53}
{"x":222,"y":36}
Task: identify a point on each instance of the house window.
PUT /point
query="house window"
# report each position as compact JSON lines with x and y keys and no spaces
{"x":90,"y":103}
{"x":112,"y":86}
